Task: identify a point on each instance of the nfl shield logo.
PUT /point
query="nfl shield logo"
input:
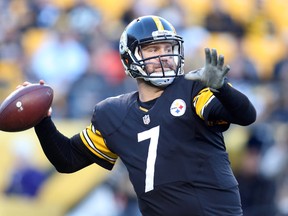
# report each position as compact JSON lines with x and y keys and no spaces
{"x":146,"y":119}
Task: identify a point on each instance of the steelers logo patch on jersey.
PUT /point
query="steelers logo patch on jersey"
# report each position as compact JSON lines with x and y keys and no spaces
{"x":178,"y":107}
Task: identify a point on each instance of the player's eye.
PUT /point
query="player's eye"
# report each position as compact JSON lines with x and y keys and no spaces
{"x":169,"y":50}
{"x":151,"y":49}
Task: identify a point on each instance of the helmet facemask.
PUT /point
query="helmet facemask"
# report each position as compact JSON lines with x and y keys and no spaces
{"x":167,"y":72}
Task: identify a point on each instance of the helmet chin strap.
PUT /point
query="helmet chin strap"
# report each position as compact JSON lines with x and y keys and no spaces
{"x":163,"y":81}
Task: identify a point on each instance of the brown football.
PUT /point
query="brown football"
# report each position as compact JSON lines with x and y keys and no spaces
{"x":25,"y":107}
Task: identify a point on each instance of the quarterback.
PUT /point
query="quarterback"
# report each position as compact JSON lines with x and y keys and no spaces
{"x":168,"y":133}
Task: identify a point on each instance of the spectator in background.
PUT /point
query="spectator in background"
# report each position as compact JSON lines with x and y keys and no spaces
{"x":244,"y":69}
{"x":104,"y":78}
{"x":45,"y":13}
{"x":10,"y":61}
{"x":26,"y":179}
{"x":115,"y":193}
{"x":60,"y":60}
{"x":257,"y":191}
{"x":84,"y":18}
{"x":280,"y":79}
{"x":88,"y":89}
{"x":219,"y":20}
{"x":274,"y":165}
{"x":281,"y":67}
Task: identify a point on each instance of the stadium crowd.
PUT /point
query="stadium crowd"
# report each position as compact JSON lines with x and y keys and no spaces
{"x":73,"y":46}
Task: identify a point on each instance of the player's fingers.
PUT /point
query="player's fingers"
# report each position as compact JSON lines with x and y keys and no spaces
{"x":207,"y":56}
{"x":226,"y":70}
{"x":220,"y":62}
{"x":214,"y":57}
{"x":41,"y":82}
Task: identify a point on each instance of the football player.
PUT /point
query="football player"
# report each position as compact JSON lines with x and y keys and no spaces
{"x":169,"y":133}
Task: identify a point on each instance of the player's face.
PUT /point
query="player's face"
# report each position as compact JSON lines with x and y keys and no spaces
{"x":156,"y":50}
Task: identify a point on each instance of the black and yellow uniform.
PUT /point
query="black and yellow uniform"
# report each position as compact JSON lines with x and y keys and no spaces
{"x":174,"y":151}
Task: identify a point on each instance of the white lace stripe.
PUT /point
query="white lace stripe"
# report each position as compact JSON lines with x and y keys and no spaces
{"x":91,"y":144}
{"x":206,"y":104}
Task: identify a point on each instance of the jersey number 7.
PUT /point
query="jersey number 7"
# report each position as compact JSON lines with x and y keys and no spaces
{"x":153,"y":135}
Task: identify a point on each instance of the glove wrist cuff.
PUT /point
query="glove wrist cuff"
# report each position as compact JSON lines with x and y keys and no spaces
{"x":221,"y":89}
{"x":214,"y":90}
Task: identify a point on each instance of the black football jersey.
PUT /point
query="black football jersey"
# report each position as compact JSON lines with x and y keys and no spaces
{"x":171,"y":142}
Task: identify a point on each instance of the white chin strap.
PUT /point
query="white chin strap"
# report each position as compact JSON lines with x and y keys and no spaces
{"x":163,"y":81}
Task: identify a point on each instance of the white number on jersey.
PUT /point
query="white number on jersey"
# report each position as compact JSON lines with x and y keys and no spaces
{"x":153,"y":135}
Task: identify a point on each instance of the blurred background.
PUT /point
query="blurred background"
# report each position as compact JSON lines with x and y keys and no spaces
{"x":73,"y":46}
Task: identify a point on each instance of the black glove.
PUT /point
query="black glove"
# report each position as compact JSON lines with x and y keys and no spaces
{"x":213,"y":73}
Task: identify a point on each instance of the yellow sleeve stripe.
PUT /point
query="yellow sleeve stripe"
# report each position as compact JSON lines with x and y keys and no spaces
{"x":96,"y":144}
{"x":201,"y":101}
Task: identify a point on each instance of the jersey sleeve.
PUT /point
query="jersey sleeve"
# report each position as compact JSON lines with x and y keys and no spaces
{"x":228,"y":106}
{"x":203,"y":103}
{"x":95,"y":143}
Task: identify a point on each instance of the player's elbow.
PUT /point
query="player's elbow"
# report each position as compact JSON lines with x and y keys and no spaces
{"x":61,"y":168}
{"x":248,"y":118}
{"x":246,"y":123}
{"x":64,"y":171}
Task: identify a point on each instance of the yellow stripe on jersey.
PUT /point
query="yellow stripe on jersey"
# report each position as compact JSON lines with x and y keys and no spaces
{"x":201,"y":101}
{"x":143,"y":109}
{"x":96,"y":144}
{"x":158,"y":23}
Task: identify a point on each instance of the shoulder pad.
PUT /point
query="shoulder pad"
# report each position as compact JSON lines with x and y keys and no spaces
{"x":109,"y":114}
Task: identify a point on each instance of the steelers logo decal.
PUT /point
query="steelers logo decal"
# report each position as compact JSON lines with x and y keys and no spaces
{"x":123,"y":43}
{"x":178,"y":107}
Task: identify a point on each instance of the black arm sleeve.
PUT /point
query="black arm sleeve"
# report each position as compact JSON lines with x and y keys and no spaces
{"x":65,"y":154}
{"x":237,"y":107}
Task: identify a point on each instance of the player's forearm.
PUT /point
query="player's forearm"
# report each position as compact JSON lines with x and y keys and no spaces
{"x":58,"y":148}
{"x":237,"y":104}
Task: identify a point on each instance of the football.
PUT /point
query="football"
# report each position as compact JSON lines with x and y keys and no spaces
{"x":25,"y":107}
